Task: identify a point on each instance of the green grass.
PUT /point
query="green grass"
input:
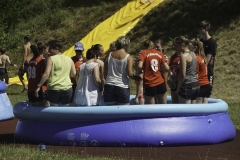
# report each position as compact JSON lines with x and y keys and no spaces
{"x":23,"y":152}
{"x":15,"y":94}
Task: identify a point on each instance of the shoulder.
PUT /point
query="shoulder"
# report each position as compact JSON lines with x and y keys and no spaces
{"x":67,"y":57}
{"x":95,"y":64}
{"x":212,"y":41}
{"x":27,"y":45}
{"x":184,"y":55}
{"x":130,"y":57}
{"x":100,"y":62}
{"x":199,"y":58}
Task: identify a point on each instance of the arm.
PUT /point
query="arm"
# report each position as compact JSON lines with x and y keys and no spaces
{"x":105,"y":73}
{"x":73,"y":70}
{"x":130,"y":61}
{"x":182,"y":66}
{"x":165,"y":67}
{"x":96,"y":76}
{"x":140,"y":85}
{"x":24,"y":55}
{"x":208,"y":57}
{"x":101,"y":70}
{"x":9,"y":62}
{"x":140,"y":65}
{"x":44,"y":76}
{"x":130,"y":73}
{"x":77,"y":75}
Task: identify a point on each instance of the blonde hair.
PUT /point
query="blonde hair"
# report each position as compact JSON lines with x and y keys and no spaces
{"x":181,"y":39}
{"x":122,"y":43}
{"x":200,"y":50}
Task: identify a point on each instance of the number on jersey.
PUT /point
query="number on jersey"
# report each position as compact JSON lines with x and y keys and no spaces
{"x":31,"y":72}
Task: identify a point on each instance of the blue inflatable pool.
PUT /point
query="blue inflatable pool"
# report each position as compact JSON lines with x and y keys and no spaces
{"x":6,"y":109}
{"x":133,"y":125}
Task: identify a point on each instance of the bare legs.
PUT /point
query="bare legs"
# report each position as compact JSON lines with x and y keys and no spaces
{"x":160,"y":99}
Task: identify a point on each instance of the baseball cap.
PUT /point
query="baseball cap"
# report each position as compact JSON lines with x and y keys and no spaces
{"x":78,"y":46}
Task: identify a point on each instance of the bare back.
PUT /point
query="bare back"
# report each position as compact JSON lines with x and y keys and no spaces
{"x":27,"y":53}
{"x":4,"y":59}
{"x":119,"y":54}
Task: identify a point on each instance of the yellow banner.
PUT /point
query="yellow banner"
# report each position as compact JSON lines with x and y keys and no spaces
{"x":117,"y":25}
{"x":109,"y":30}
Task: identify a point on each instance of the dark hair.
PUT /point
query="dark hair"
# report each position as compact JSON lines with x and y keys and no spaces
{"x":34,"y":50}
{"x":204,"y":24}
{"x":3,"y":50}
{"x":148,"y":44}
{"x":122,"y":43}
{"x":112,"y":46}
{"x":53,"y":44}
{"x":181,"y":39}
{"x":41,"y":46}
{"x":96,"y":48}
{"x":159,"y":41}
{"x":90,"y":54}
{"x":27,"y":38}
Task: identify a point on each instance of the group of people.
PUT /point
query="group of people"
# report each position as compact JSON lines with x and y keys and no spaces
{"x":191,"y":67}
{"x":57,"y":80}
{"x":189,"y":70}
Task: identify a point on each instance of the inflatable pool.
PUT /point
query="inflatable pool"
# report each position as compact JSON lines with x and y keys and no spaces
{"x":6,"y":109}
{"x":132,"y":125}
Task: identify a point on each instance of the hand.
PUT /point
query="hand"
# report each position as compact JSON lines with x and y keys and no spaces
{"x":136,"y":101}
{"x":36,"y":92}
{"x":137,"y":78}
{"x":171,"y":84}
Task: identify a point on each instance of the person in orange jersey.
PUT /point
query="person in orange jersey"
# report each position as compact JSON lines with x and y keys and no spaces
{"x":173,"y":74}
{"x":159,"y":46}
{"x":43,"y":51}
{"x":150,"y":61}
{"x":196,"y":46}
{"x":36,"y":68}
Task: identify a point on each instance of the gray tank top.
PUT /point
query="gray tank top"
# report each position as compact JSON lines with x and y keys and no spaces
{"x":191,"y":74}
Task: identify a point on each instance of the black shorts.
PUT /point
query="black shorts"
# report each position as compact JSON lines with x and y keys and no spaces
{"x":33,"y":98}
{"x":116,"y":95}
{"x":21,"y":71}
{"x":205,"y":91}
{"x":45,"y":95}
{"x":2,"y":71}
{"x":174,"y":89}
{"x":60,"y":96}
{"x":152,"y":91}
{"x":189,"y":90}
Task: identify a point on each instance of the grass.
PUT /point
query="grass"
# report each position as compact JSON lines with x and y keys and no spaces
{"x":26,"y":153}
